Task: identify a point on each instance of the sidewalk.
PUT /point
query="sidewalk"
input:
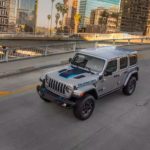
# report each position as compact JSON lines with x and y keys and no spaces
{"x":22,"y":66}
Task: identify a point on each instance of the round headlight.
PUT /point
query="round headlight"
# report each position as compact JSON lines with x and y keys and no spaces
{"x":69,"y":89}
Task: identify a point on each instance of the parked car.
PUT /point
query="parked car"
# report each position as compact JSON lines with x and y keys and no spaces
{"x":92,"y":74}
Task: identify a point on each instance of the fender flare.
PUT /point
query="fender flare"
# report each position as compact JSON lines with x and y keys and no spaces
{"x":89,"y":90}
{"x":129,"y":76}
{"x":93,"y":92}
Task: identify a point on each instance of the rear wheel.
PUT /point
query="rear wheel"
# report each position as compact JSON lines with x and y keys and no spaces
{"x":130,"y":87}
{"x":84,"y":107}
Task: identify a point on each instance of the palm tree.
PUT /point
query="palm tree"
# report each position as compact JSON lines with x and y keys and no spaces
{"x":52,"y":1}
{"x":77,"y":19}
{"x":58,"y":7}
{"x":49,"y":18}
{"x":63,"y":10}
{"x":57,"y":16}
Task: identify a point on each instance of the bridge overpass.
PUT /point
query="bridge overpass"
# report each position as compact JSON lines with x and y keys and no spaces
{"x":118,"y":123}
{"x":22,"y":49}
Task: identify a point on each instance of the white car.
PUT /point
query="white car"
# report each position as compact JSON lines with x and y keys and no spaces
{"x":92,"y":73}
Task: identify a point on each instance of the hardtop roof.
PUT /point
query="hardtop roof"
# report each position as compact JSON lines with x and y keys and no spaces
{"x":109,"y":52}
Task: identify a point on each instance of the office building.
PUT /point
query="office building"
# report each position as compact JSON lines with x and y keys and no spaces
{"x":72,"y":11}
{"x":7,"y":15}
{"x":103,"y":20}
{"x":134,"y":16}
{"x":86,"y":6}
{"x":27,"y":15}
{"x":95,"y":15}
{"x":112,"y":24}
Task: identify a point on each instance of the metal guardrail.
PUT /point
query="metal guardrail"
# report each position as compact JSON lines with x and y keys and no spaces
{"x":33,"y":35}
{"x":20,"y":53}
{"x":98,"y":36}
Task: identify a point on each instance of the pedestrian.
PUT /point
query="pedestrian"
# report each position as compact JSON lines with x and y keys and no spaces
{"x":4,"y":49}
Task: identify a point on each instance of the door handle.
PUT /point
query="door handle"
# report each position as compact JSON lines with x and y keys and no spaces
{"x":116,"y":76}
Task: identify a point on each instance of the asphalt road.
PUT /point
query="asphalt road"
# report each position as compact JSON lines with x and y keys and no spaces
{"x":118,"y":123}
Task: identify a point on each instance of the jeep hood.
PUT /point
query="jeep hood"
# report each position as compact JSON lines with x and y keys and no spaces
{"x":74,"y":76}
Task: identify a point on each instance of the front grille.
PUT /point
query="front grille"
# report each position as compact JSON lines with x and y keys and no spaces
{"x":56,"y":87}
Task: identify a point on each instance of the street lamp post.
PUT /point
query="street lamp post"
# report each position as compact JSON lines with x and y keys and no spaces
{"x":51,"y":16}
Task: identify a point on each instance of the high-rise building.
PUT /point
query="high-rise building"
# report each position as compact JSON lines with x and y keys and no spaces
{"x":134,"y":16}
{"x":4,"y":11}
{"x":86,"y":6}
{"x":27,"y":15}
{"x":97,"y":14}
{"x":72,"y":11}
{"x":92,"y":17}
{"x":148,"y":25}
{"x":7,"y":15}
{"x":112,"y":23}
{"x":103,"y":20}
{"x":12,"y":16}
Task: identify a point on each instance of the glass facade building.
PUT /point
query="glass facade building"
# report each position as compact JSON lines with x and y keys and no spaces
{"x":86,"y":6}
{"x":26,"y":15}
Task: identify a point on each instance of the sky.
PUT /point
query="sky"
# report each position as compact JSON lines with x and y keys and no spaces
{"x":44,"y":8}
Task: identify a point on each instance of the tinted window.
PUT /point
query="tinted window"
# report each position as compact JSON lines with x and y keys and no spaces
{"x":112,"y":66}
{"x":133,"y":60}
{"x":123,"y":62}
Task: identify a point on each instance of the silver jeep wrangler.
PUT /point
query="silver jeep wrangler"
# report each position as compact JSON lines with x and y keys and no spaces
{"x":92,"y":73}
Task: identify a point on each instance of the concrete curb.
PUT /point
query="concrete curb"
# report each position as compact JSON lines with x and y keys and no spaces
{"x":31,"y":69}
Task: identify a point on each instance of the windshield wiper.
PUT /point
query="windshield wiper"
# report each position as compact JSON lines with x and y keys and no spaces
{"x":89,"y":69}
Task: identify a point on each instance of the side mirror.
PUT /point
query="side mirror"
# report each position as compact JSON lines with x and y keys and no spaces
{"x":70,"y":60}
{"x":107,"y":73}
{"x":100,"y":77}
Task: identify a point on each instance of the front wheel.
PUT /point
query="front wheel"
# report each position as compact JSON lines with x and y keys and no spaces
{"x":130,"y":87}
{"x":84,"y":107}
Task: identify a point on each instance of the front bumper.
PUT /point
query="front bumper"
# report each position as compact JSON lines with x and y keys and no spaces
{"x":46,"y":94}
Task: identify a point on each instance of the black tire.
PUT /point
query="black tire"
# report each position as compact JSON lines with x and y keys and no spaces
{"x":130,"y":87}
{"x":41,"y":95}
{"x":84,"y":107}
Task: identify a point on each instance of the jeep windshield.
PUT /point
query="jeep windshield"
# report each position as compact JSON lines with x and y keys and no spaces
{"x":88,"y":62}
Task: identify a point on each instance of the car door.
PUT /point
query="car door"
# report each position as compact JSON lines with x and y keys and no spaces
{"x":123,"y":70}
{"x":110,"y":78}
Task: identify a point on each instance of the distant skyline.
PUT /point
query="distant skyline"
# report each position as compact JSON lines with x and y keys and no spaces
{"x":44,"y":8}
